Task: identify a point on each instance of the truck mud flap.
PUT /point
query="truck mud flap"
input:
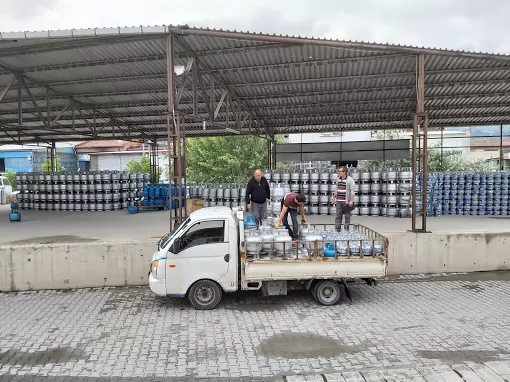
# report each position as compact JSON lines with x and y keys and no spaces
{"x":369,"y":281}
{"x":347,"y":292}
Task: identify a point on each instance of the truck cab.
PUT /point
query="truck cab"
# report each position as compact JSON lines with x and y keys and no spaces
{"x":199,"y":258}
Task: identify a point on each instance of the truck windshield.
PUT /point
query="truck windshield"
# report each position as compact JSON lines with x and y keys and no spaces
{"x":163,"y":242}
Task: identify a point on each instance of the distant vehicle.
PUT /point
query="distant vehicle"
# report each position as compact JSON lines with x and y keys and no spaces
{"x":5,"y":185}
{"x":205,"y":256}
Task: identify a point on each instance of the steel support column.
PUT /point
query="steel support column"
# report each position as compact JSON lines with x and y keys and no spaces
{"x":20,"y":106}
{"x":269,"y":155}
{"x":501,"y":157}
{"x":419,"y":155}
{"x":170,"y":117}
{"x":177,"y":180}
{"x":53,"y":159}
{"x":154,"y":161}
{"x":442,"y":139}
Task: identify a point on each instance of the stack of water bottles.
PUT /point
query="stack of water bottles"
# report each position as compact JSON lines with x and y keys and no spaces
{"x":348,"y":241}
{"x":157,"y":195}
{"x":460,"y":193}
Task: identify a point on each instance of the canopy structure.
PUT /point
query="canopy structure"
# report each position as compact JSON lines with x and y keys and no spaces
{"x":113,"y":83}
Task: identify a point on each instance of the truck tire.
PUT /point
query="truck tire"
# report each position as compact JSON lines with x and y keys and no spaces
{"x":204,"y":295}
{"x":327,"y":292}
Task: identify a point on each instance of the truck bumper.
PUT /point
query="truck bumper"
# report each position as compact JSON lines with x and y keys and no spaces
{"x":157,"y":286}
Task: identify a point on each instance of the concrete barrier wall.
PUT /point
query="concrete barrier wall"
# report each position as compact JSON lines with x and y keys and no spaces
{"x":411,"y":253}
{"x":63,"y":266}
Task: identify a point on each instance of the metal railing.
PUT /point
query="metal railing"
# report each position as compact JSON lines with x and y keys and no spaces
{"x":316,"y":250}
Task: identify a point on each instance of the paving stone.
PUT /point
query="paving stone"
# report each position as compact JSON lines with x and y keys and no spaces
{"x":305,"y":378}
{"x":128,"y":332}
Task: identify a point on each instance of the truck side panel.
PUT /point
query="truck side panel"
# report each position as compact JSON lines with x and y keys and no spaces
{"x":306,"y":270}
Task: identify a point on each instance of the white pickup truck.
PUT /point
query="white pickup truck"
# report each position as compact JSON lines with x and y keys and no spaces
{"x":205,"y":256}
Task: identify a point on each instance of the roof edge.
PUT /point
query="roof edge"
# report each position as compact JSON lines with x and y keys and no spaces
{"x":224,"y":33}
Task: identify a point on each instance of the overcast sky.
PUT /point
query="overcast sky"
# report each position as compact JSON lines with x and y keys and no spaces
{"x":479,"y":25}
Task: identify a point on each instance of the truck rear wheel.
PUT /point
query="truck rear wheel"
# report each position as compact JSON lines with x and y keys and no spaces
{"x":327,"y":292}
{"x":204,"y":295}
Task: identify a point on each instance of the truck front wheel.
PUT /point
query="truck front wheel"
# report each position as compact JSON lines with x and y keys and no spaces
{"x":327,"y":292}
{"x":204,"y":295}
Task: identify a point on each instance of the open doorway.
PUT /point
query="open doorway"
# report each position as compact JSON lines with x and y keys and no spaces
{"x":2,"y":165}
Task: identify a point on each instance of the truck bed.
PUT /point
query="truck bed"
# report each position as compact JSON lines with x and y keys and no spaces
{"x":316,"y":266}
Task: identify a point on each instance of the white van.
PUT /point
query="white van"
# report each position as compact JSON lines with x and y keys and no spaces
{"x":5,"y":185}
{"x":205,"y":256}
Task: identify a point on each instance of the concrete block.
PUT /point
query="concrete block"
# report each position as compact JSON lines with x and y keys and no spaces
{"x":413,"y":253}
{"x":63,"y":266}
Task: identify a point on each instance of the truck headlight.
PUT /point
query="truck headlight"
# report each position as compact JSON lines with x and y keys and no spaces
{"x":154,"y":268}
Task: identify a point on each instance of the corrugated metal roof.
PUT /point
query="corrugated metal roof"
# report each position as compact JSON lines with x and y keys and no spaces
{"x":117,"y":81}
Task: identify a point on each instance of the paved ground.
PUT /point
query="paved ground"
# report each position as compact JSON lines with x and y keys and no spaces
{"x":60,"y":226}
{"x":93,"y":335}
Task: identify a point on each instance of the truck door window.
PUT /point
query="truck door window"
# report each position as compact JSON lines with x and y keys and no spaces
{"x":205,"y":232}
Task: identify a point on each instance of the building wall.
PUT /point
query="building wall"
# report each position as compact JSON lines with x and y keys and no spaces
{"x":348,"y":136}
{"x":112,"y":162}
{"x":67,"y":157}
{"x":452,"y":140}
{"x":17,"y":161}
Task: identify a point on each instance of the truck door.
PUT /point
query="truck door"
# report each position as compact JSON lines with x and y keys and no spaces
{"x":202,"y":253}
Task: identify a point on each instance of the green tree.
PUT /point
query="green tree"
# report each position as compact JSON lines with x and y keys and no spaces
{"x":445,"y":160}
{"x":11,"y":175}
{"x":225,"y":159}
{"x":142,"y":166}
{"x":46,"y":166}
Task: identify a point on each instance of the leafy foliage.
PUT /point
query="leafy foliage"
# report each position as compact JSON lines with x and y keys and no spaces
{"x":46,"y":166}
{"x":142,"y":166}
{"x":11,"y":175}
{"x":224,"y":159}
{"x":447,"y":160}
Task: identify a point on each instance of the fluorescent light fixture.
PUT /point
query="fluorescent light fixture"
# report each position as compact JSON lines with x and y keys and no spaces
{"x":232,"y":130}
{"x":179,"y":69}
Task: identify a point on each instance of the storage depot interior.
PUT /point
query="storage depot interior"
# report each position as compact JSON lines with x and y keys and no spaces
{"x":112,"y":83}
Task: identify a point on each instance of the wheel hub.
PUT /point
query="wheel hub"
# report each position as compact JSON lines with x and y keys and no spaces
{"x":204,"y":294}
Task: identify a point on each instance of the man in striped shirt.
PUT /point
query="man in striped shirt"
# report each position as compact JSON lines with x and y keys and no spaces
{"x":343,"y":197}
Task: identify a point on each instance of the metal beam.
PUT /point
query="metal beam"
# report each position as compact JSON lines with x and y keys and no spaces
{"x":300,"y":109}
{"x":22,"y":78}
{"x":60,"y":113}
{"x":278,"y":95}
{"x":170,"y":117}
{"x":31,"y":97}
{"x":20,"y":103}
{"x":237,"y":50}
{"x":308,"y":62}
{"x":195,"y":92}
{"x":75,"y":43}
{"x":88,"y":64}
{"x":243,"y":83}
{"x":185,"y":75}
{"x":220,"y":104}
{"x":335,"y":43}
{"x":213,"y":77}
{"x":304,"y":120}
{"x":205,"y":96}
{"x":7,"y":87}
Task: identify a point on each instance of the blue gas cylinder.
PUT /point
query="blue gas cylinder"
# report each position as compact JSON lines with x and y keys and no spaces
{"x":329,"y":250}
{"x":132,"y":209}
{"x":14,"y":215}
